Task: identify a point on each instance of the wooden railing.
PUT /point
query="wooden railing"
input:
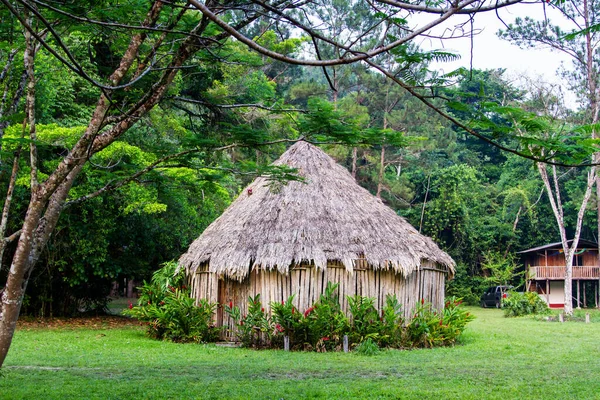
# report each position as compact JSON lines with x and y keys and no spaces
{"x":557,"y":272}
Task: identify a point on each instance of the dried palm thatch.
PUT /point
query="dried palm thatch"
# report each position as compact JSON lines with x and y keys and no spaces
{"x":326,"y":217}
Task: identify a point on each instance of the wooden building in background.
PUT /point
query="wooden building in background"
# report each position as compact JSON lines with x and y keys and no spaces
{"x":281,"y":240}
{"x":545,"y":273}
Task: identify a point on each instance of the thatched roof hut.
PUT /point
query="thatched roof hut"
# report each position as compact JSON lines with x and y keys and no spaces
{"x":327,"y":222}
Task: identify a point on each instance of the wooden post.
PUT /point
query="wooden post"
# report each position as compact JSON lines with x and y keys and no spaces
{"x":345,"y":343}
{"x":286,"y":343}
{"x":584,"y":296}
{"x":596,"y":284}
{"x":548,"y":292}
{"x":587,"y":318}
{"x":561,"y":317}
{"x":578,"y":301}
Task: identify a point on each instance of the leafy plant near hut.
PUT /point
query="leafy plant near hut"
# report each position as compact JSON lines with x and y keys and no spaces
{"x":431,"y":328}
{"x":320,"y":327}
{"x":365,"y":322}
{"x":253,"y":329}
{"x":323,"y":326}
{"x":171,"y":314}
{"x":528,"y":303}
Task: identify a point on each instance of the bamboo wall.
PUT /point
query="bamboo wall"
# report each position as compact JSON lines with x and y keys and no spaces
{"x":308,"y":283}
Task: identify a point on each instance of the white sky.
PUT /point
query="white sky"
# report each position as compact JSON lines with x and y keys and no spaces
{"x":490,"y":52}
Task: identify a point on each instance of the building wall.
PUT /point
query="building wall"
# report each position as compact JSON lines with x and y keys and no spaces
{"x":557,"y":294}
{"x":307,"y":284}
{"x":556,"y":257}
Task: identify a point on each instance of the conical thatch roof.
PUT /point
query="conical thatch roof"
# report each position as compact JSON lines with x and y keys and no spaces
{"x":327,"y":217}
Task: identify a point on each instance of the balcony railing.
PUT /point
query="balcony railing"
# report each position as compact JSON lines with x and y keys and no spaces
{"x":558,"y":272}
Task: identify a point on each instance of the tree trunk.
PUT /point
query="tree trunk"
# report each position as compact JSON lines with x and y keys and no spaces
{"x":354,"y":157}
{"x":49,"y":197}
{"x":381,"y":171}
{"x":557,"y":209}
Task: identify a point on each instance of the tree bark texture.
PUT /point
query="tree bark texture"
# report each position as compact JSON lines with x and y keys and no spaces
{"x":557,"y":209}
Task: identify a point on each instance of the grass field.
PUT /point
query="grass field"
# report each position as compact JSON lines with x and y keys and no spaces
{"x":499,"y":358}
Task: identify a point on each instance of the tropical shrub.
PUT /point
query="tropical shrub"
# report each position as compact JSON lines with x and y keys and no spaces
{"x":323,"y":326}
{"x":528,"y":303}
{"x":431,"y":328}
{"x":171,"y":313}
{"x":252,"y":329}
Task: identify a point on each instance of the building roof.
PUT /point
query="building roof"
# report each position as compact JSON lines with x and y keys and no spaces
{"x":326,"y":217}
{"x":558,"y":245}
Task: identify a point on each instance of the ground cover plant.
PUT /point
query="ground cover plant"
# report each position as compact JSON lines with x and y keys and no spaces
{"x":498,"y":358}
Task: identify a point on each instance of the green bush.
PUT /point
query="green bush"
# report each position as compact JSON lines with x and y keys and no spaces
{"x":528,"y":303}
{"x":322,"y":327}
{"x":431,"y":328}
{"x":253,"y":329}
{"x":170,"y":312}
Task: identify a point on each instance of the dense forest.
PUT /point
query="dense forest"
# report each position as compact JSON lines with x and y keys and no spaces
{"x":433,"y":147}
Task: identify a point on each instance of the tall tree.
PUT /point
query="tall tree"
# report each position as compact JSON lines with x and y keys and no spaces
{"x":576,"y":38}
{"x":137,"y":65}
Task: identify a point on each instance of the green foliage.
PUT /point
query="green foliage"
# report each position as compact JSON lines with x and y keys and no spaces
{"x":252,"y":329}
{"x":527,"y":303}
{"x":367,"y":348}
{"x":171,"y":313}
{"x":323,"y":326}
{"x":502,"y":269}
{"x":365,"y":322}
{"x":466,"y":285}
{"x":430,"y":328}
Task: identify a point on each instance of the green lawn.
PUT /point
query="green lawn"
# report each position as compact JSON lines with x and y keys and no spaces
{"x":499,"y":358}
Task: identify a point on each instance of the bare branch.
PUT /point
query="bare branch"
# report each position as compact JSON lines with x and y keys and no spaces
{"x":357,"y":56}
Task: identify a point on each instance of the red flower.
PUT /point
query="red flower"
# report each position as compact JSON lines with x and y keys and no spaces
{"x":162,"y":303}
{"x":279,"y":328}
{"x":307,"y":312}
{"x":231,"y":304}
{"x":441,"y":322}
{"x":325,"y":338}
{"x":149,"y":302}
{"x":293,"y":310}
{"x":241,"y":323}
{"x":262,"y":309}
{"x":130,"y":305}
{"x":422,"y":301}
